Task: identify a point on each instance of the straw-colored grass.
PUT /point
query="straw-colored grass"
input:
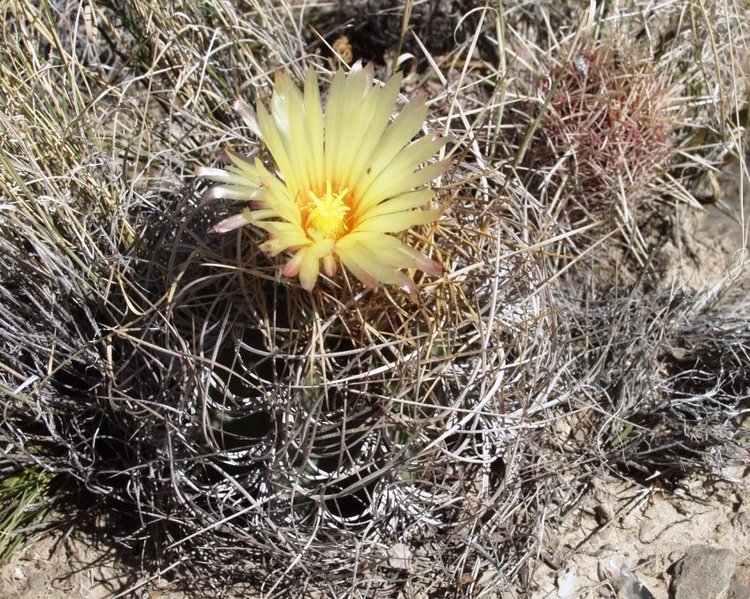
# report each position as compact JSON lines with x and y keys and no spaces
{"x":350,"y":440}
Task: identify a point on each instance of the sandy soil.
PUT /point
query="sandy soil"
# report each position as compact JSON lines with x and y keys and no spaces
{"x":647,"y":531}
{"x":58,"y":565}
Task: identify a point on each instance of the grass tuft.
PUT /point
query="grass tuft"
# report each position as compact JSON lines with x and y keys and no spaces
{"x":24,"y":503}
{"x":354,"y":441}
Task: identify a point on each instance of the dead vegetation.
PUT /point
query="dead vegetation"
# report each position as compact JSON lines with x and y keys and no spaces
{"x":352,"y":441}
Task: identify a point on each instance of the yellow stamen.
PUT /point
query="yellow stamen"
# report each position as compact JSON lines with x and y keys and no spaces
{"x":327,"y":214}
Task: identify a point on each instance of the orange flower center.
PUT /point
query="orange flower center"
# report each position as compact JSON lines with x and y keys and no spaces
{"x":326,"y":214}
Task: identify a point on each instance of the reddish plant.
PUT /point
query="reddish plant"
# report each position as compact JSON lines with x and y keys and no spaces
{"x":606,"y":126}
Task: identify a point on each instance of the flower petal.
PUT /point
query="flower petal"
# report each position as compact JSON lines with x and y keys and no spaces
{"x":297,"y":140}
{"x":275,"y":245}
{"x":368,"y":267}
{"x":309,"y":269}
{"x":233,"y":222}
{"x":329,"y":265}
{"x":363,"y":117}
{"x":230,"y":192}
{"x":396,"y":186}
{"x":351,"y":264}
{"x":275,"y":145}
{"x":402,"y":168}
{"x":306,"y":263}
{"x":315,"y":133}
{"x":277,"y":197}
{"x":214,"y":174}
{"x":379,"y":255}
{"x":402,"y":203}
{"x":403,"y":128}
{"x":291,"y":268}
{"x":248,"y":115}
{"x":252,"y":171}
{"x":383,"y":100}
{"x":285,"y":231}
{"x":333,"y":123}
{"x":398,"y":221}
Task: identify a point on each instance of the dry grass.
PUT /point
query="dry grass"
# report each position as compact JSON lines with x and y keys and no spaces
{"x":355,"y":441}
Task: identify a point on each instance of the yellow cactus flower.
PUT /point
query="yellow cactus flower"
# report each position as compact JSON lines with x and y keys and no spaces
{"x":345,"y":180}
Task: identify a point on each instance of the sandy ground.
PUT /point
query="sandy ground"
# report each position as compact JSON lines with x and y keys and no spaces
{"x":625,"y":527}
{"x":57,"y":566}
